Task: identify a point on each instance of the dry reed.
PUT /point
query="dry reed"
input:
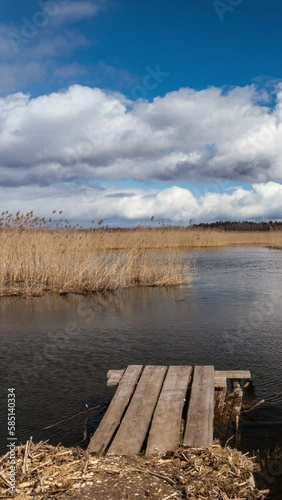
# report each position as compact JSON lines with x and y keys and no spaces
{"x":37,"y":260}
{"x":44,"y":472}
{"x":182,"y":238}
{"x":40,"y":255}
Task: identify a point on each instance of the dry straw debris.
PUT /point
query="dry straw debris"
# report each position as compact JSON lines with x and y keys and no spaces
{"x":45,"y":472}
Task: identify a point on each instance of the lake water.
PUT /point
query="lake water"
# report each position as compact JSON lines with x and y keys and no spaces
{"x":56,"y":350}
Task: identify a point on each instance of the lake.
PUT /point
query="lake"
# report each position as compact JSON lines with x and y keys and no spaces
{"x":56,"y":351}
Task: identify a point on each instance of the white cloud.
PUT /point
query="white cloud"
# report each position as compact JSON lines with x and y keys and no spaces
{"x":50,"y":33}
{"x":6,"y":48}
{"x":69,"y":71}
{"x":187,"y":134}
{"x":173,"y":204}
{"x":20,"y":74}
{"x":63,"y":43}
{"x":53,"y":145}
{"x":77,"y":10}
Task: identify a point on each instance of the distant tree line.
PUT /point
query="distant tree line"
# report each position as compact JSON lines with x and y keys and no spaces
{"x":241,"y":226}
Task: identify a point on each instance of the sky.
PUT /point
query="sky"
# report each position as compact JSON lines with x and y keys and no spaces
{"x":123,"y":109}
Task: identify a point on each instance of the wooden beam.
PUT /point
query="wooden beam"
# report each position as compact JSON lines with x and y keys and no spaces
{"x":112,"y":418}
{"x":135,"y":424}
{"x":114,"y":373}
{"x":235,"y":374}
{"x":113,"y":377}
{"x":165,"y":429}
{"x":199,"y":425}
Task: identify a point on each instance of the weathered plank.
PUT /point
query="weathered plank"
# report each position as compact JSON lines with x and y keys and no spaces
{"x":135,"y":424}
{"x":165,"y":429}
{"x":199,"y":425}
{"x":114,"y":377}
{"x":236,"y":374}
{"x":103,"y":435}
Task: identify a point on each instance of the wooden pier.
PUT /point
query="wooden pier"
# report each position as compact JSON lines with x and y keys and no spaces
{"x":157,"y":408}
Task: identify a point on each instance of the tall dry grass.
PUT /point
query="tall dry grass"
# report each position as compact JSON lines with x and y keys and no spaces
{"x":39,"y":255}
{"x":36,"y":261}
{"x":178,"y":238}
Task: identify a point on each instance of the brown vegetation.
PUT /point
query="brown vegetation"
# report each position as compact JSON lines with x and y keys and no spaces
{"x":36,"y":261}
{"x":40,"y":255}
{"x":44,"y":471}
{"x":179,"y":238}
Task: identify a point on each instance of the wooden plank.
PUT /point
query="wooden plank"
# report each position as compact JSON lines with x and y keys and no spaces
{"x":103,"y":435}
{"x":165,"y":429}
{"x":135,"y":424}
{"x":199,"y":425}
{"x":239,"y":374}
{"x":113,"y":373}
{"x":114,"y":377}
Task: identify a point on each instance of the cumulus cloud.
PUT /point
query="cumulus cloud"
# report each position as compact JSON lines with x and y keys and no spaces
{"x":175,"y":204}
{"x":54,"y":147}
{"x":187,"y":134}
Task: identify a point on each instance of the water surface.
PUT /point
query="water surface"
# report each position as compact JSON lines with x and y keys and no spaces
{"x":56,"y":350}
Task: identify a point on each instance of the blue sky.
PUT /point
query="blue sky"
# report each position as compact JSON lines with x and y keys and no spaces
{"x":188,"y":39}
{"x":126,"y":108}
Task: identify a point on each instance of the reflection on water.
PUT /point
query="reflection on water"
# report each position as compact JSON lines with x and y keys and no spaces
{"x":56,"y":350}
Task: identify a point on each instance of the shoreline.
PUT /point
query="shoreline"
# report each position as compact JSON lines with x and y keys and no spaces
{"x":36,"y":261}
{"x":71,"y":473}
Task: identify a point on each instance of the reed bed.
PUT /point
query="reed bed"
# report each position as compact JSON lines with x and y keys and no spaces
{"x":34,"y":262}
{"x":182,"y":238}
{"x":41,"y":255}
